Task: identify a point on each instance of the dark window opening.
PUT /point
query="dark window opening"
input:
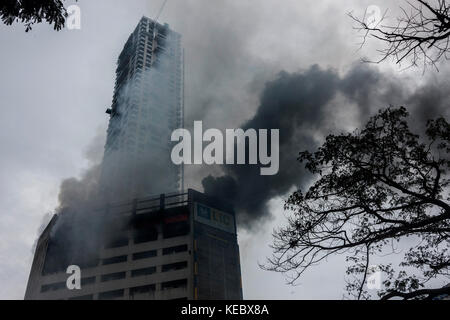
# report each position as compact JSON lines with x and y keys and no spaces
{"x":142,"y":289}
{"x":174,"y":266}
{"x":144,"y":254}
{"x":120,"y":242}
{"x":111,"y":294}
{"x":143,"y":272}
{"x":112,"y":260}
{"x":53,"y":286}
{"x":174,"y":284}
{"x":86,"y":297}
{"x":87,"y":281}
{"x":146,"y":235}
{"x":176,"y":229}
{"x":175,"y":249}
{"x":113,"y":276}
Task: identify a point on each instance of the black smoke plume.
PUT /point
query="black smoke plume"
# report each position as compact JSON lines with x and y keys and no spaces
{"x":305,"y":107}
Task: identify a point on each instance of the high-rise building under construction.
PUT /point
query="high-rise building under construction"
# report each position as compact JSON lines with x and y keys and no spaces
{"x":147,"y":106}
{"x":132,"y":245}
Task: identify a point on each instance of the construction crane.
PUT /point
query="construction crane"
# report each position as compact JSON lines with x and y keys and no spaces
{"x":157,"y":17}
{"x":160,"y":10}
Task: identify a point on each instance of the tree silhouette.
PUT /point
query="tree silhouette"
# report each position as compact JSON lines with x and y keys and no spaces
{"x":33,"y":11}
{"x":375,"y":187}
{"x":421,"y":35}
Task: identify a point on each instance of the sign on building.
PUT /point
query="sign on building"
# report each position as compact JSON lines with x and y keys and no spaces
{"x":214,"y":218}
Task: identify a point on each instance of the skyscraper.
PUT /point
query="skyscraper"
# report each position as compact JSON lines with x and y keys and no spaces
{"x":147,"y":106}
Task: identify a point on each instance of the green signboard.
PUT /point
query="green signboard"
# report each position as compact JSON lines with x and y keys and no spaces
{"x":214,"y":218}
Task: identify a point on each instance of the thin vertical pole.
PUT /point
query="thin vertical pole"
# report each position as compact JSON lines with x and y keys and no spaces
{"x":182,"y":121}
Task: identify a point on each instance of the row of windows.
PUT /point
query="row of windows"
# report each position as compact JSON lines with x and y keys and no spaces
{"x":119,"y":259}
{"x":62,"y":285}
{"x":145,"y":254}
{"x":144,"y":271}
{"x":115,"y":294}
{"x":147,"y":235}
{"x":147,"y":289}
{"x":119,"y":275}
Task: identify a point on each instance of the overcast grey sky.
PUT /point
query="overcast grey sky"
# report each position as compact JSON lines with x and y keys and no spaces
{"x":56,"y":86}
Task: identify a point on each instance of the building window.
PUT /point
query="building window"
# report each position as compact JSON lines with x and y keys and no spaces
{"x":121,"y":242}
{"x":144,"y":254}
{"x":146,"y":235}
{"x":176,"y":229}
{"x":142,"y":289}
{"x":108,"y":295}
{"x":143,"y":272}
{"x":113,"y":276}
{"x":174,"y":284}
{"x":53,"y":286}
{"x":87,"y":281}
{"x":174,"y":266}
{"x":85,"y":297}
{"x":176,"y":249}
{"x":112,"y":260}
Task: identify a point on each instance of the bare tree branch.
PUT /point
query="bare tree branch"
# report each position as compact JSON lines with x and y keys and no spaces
{"x":375,"y":186}
{"x":420,"y":35}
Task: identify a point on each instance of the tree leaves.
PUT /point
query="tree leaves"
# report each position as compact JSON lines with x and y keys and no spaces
{"x":374,"y":186}
{"x":33,"y":11}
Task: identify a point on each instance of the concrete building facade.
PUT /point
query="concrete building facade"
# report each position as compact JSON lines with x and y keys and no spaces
{"x":175,"y":246}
